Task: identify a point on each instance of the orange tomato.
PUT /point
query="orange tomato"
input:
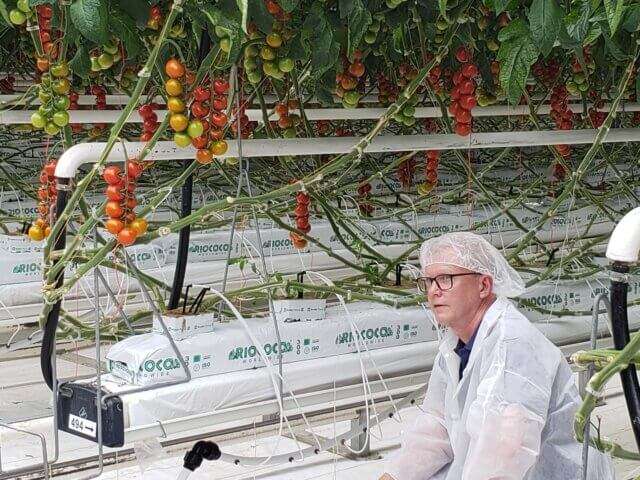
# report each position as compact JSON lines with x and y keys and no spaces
{"x":127,"y":236}
{"x":139,"y":225}
{"x":204,"y":156}
{"x":113,"y":209}
{"x":113,"y":226}
{"x":174,"y":68}
{"x":219,"y":147}
{"x":178,"y":122}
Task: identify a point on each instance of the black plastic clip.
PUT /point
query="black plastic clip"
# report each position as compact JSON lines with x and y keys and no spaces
{"x":398,"y":274}
{"x":300,"y":278}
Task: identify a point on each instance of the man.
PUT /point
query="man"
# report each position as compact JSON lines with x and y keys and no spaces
{"x":501,"y":397}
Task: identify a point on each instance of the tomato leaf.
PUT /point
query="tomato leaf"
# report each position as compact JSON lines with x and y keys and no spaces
{"x":80,"y":63}
{"x":577,"y":21}
{"x":4,"y":13}
{"x":259,"y":15}
{"x":137,"y":9}
{"x":125,"y":28}
{"x":516,"y":55}
{"x":498,"y":6}
{"x":357,"y":23}
{"x":614,"y":9}
{"x":90,"y":17}
{"x":545,"y":17}
{"x":288,"y":5}
{"x":632,"y":18}
{"x":230,"y":26}
{"x":317,"y":38}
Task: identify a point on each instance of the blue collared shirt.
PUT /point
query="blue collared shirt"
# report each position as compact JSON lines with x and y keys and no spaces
{"x":463,"y":350}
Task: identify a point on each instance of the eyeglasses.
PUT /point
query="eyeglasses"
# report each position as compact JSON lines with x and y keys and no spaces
{"x":444,"y":281}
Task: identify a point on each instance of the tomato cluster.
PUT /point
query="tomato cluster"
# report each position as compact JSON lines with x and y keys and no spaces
{"x":371,"y":34}
{"x":561,"y":115}
{"x":435,"y":79}
{"x":47,"y":194}
{"x":347,"y":80}
{"x":431,"y":172}
{"x":546,"y":71}
{"x":271,"y":56}
{"x":155,"y":18}
{"x":45,"y":14}
{"x":302,"y":219}
{"x":53,"y":92}
{"x":463,"y":98}
{"x":287,"y":121}
{"x":364,"y":192}
{"x":579,"y":82}
{"x":121,"y":202}
{"x":405,"y":173}
{"x":149,"y":120}
{"x":106,"y":56}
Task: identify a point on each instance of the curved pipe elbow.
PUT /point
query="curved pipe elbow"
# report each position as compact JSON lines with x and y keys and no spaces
{"x":624,"y":243}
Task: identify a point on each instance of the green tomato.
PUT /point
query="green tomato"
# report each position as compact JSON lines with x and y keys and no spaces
{"x":44,"y":96}
{"x":409,"y":121}
{"x":231,"y":161}
{"x":17,"y":17}
{"x":370,"y":37}
{"x":225,"y":44}
{"x":38,"y":120}
{"x":409,"y":111}
{"x":182,"y":139}
{"x":254,"y":77}
{"x":60,"y":70}
{"x":251,"y":51}
{"x":23,"y":6}
{"x":579,"y":78}
{"x":105,"y":60}
{"x":375,"y":26}
{"x":61,"y":119}
{"x":398,"y":117}
{"x":250,"y":64}
{"x":51,"y":128}
{"x":267,"y":53}
{"x":289,"y":133}
{"x":62,"y":103}
{"x":351,"y":97}
{"x":95,"y":65}
{"x":61,"y":86}
{"x":195,"y":128}
{"x":117,"y":57}
{"x":278,"y":75}
{"x":413,"y":100}
{"x":270,"y":68}
{"x":285,"y":64}
{"x":492,"y":45}
{"x":45,"y":110}
{"x":583,"y":87}
{"x":442,"y":24}
{"x":110,"y":48}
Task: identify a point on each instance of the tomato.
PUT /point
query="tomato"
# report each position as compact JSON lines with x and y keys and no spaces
{"x":155,"y":12}
{"x":220,"y":102}
{"x":113,"y":209}
{"x":274,"y":40}
{"x":50,"y":168}
{"x":149,"y":125}
{"x":286,"y":64}
{"x":45,"y":11}
{"x":134,"y":169}
{"x":463,"y":129}
{"x":199,"y":110}
{"x":43,"y":193}
{"x":173,"y":87}
{"x":432,"y":176}
{"x":195,"y":128}
{"x":470,"y":70}
{"x":182,"y":140}
{"x":463,"y":116}
{"x":285,"y":122}
{"x":105,"y":60}
{"x":216,"y":134}
{"x":42,"y":64}
{"x":467,"y":87}
{"x":200,"y":142}
{"x":454,"y":107}
{"x":178,"y":122}
{"x":225,"y":44}
{"x":463,"y":55}
{"x":348,"y":82}
{"x":114,"y":193}
{"x":356,"y":69}
{"x":220,"y":86}
{"x":219,"y":147}
{"x":433,"y":154}
{"x":174,"y":68}
{"x":145,"y":110}
{"x":114,"y":226}
{"x":36,"y":233}
{"x":111,"y":175}
{"x":51,"y":128}
{"x":175,"y":105}
{"x":131,"y":203}
{"x":201,"y":94}
{"x":467,"y":102}
{"x":146,"y":136}
{"x":139,"y":225}
{"x":38,"y":120}
{"x":17,"y":17}
{"x":273,"y":8}
{"x":62,"y":103}
{"x":204,"y":156}
{"x":219,"y":119}
{"x":61,"y":86}
{"x":59,"y":70}
{"x":281,"y":110}
{"x":127,"y":236}
{"x":61,"y":119}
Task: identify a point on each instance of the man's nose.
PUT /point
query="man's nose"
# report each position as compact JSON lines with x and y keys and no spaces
{"x":433,"y":289}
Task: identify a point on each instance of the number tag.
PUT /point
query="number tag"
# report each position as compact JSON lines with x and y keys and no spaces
{"x":82,"y":425}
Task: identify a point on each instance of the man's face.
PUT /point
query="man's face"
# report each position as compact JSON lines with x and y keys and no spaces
{"x":459,"y":304}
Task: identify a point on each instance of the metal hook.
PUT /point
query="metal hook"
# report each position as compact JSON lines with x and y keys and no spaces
{"x":300,"y":278}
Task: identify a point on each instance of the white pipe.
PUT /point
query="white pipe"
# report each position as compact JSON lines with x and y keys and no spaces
{"x":90,"y":152}
{"x":11,"y":117}
{"x":624,"y":243}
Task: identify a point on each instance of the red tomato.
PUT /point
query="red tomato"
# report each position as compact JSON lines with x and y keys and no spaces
{"x":127,"y":236}
{"x":201,"y":94}
{"x":219,"y":119}
{"x":114,"y":193}
{"x":113,"y":209}
{"x":111,"y":175}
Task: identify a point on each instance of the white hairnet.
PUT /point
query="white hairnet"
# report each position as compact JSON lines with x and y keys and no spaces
{"x":471,"y":251}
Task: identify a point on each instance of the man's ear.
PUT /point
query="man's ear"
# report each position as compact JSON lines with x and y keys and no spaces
{"x":486,"y":286}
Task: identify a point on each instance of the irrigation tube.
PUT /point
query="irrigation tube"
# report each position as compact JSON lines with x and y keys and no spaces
{"x":83,"y":153}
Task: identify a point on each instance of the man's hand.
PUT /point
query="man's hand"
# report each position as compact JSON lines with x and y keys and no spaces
{"x":386,"y":476}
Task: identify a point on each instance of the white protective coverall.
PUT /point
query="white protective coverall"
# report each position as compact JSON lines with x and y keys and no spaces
{"x":510,"y":417}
